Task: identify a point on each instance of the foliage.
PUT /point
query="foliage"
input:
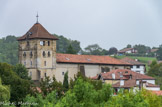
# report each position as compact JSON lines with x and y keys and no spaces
{"x":9,"y":50}
{"x":19,"y":88}
{"x":142,"y":49}
{"x":93,"y":49}
{"x":65,"y":82}
{"x":47,"y":86}
{"x":70,"y":50}
{"x":159,"y":53}
{"x":112,"y":50}
{"x":63,"y":43}
{"x":129,"y":46}
{"x":4,"y":92}
{"x":21,"y":71}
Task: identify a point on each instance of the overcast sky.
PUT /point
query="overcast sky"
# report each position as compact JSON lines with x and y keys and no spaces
{"x":105,"y":22}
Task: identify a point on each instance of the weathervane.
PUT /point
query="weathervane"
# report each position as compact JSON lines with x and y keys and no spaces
{"x":37,"y":17}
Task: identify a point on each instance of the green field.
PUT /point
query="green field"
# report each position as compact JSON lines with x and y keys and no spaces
{"x":144,"y":60}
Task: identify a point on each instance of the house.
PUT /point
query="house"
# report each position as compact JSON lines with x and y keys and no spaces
{"x":127,"y":79}
{"x":37,"y":52}
{"x":127,"y":51}
{"x":136,"y":66}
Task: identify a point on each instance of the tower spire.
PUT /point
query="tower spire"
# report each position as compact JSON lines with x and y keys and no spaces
{"x":37,"y":17}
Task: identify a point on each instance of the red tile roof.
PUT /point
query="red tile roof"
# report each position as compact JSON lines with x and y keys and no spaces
{"x":38,"y":32}
{"x":127,"y":84}
{"x":158,"y":92}
{"x":131,"y":61}
{"x":124,"y":50}
{"x":108,"y":75}
{"x":88,"y":59}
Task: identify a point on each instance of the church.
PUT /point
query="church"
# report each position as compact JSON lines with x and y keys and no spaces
{"x":37,"y":52}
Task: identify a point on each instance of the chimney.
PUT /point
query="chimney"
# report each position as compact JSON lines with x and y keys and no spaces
{"x":121,"y":82}
{"x":113,"y":76}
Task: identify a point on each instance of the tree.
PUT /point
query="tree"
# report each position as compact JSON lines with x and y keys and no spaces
{"x":19,"y":88}
{"x":129,"y":46}
{"x":113,"y":50}
{"x":142,"y":49}
{"x":159,"y":53}
{"x":70,"y":50}
{"x":65,"y":82}
{"x":21,"y":71}
{"x":93,"y":49}
{"x":4,"y":92}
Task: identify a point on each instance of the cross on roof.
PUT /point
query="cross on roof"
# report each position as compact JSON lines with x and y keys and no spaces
{"x":37,"y":17}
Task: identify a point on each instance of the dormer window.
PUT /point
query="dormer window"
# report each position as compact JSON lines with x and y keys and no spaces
{"x":24,"y":54}
{"x":44,"y":54}
{"x":48,"y":43}
{"x":31,"y":54}
{"x":43,"y":43}
{"x":49,"y":54}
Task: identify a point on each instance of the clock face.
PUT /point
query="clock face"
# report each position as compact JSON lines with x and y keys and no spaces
{"x":41,"y":42}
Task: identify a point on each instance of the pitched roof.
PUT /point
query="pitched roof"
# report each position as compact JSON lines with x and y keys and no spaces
{"x":37,"y":31}
{"x":127,"y":84}
{"x":131,"y":61}
{"x":125,"y":73}
{"x":88,"y":59}
{"x":125,"y":49}
{"x":154,"y":50}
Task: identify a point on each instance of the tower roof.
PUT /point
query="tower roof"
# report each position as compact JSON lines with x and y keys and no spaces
{"x":37,"y":31}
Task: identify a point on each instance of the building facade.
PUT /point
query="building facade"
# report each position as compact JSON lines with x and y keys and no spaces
{"x":37,"y":52}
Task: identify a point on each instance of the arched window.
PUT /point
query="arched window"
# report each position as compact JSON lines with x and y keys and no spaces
{"x":44,"y":54}
{"x":48,"y":43}
{"x":24,"y":54}
{"x":31,"y":54}
{"x":44,"y":63}
{"x":49,"y":54}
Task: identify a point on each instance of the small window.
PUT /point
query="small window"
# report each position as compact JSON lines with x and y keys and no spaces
{"x":138,"y":66}
{"x":24,"y":63}
{"x":62,"y":73}
{"x":48,"y":43}
{"x":44,"y":63}
{"x":31,"y":63}
{"x":24,"y":54}
{"x":27,"y":43}
{"x":45,"y":74}
{"x":31,"y":54}
{"x":30,"y":74}
{"x":44,"y":54}
{"x":43,"y":43}
{"x":49,"y":54}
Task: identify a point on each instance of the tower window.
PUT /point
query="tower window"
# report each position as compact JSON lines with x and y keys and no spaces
{"x":48,"y":43}
{"x":24,"y":63}
{"x":31,"y":63}
{"x":49,"y":54}
{"x":62,"y":73}
{"x":45,"y":74}
{"x":24,"y":54}
{"x":44,"y":63}
{"x":43,"y":43}
{"x":44,"y":54}
{"x":27,"y":43}
{"x":31,"y":54}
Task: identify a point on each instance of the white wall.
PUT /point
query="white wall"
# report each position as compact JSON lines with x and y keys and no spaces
{"x":150,"y":81}
{"x":153,"y":88}
{"x":141,"y":69}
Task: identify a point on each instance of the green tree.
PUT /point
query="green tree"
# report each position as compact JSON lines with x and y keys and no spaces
{"x":159,"y":53}
{"x":129,"y":46}
{"x":21,"y":71}
{"x":4,"y":92}
{"x":70,"y":50}
{"x":93,"y":49}
{"x":65,"y":82}
{"x":113,"y":50}
{"x":19,"y":88}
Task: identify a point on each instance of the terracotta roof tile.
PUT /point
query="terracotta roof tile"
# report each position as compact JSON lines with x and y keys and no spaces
{"x":127,"y":84}
{"x":38,"y":32}
{"x":158,"y":92}
{"x":126,"y":49}
{"x":131,"y":61}
{"x":88,"y":59}
{"x":108,"y":75}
